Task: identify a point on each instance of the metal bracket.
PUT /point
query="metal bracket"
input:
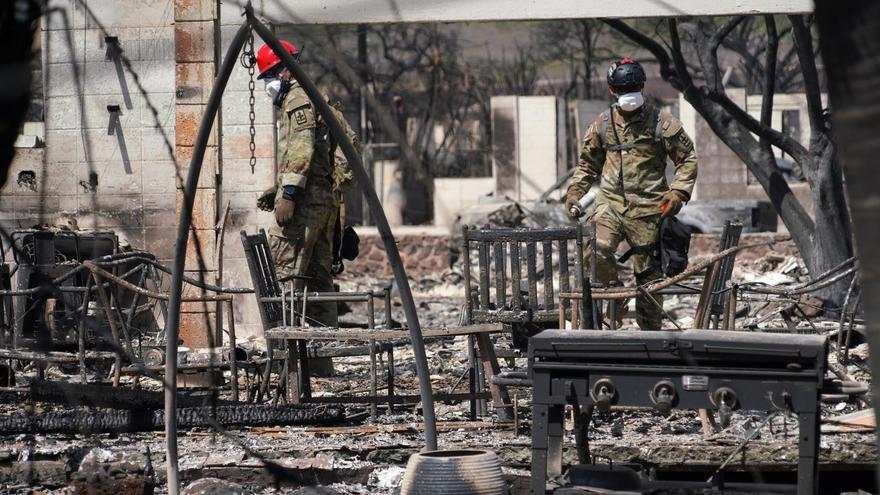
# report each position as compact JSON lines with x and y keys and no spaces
{"x":113,"y":47}
{"x":113,"y":123}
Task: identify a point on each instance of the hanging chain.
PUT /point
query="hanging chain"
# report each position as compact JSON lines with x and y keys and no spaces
{"x":249,"y":61}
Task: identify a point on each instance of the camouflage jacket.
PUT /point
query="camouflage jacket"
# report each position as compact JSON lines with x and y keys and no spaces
{"x":632,"y":172}
{"x":304,"y":147}
{"x":343,"y":177}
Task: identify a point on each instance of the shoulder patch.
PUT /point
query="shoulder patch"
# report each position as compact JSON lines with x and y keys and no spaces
{"x":302,"y":117}
{"x":671,"y":126}
{"x":295,"y":98}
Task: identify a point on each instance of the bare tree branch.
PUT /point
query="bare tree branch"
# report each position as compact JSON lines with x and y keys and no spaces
{"x":707,"y":48}
{"x":804,"y":43}
{"x":769,"y":75}
{"x":722,"y":33}
{"x":687,"y":83}
{"x":773,"y":137}
{"x":666,"y":71}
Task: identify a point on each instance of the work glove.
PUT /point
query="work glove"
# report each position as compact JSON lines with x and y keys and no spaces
{"x":266,"y":201}
{"x":572,"y":209}
{"x":672,"y":202}
{"x":285,"y":207}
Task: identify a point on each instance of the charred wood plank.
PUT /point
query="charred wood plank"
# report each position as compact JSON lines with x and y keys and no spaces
{"x":547,"y":251}
{"x":84,"y":420}
{"x":500,"y":289}
{"x":521,"y":235}
{"x":54,"y":357}
{"x":515,"y":276}
{"x":532,"y":274}
{"x":333,"y":333}
{"x":77,"y":394}
{"x":484,"y":274}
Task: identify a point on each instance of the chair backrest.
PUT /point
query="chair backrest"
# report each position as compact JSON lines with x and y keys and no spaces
{"x":498,"y":286}
{"x":262,"y":268}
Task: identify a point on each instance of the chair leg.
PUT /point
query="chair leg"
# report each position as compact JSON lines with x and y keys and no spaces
{"x":473,"y":376}
{"x":304,"y":374}
{"x":293,"y":376}
{"x":373,"y":378}
{"x":500,"y":398}
{"x":390,"y":380}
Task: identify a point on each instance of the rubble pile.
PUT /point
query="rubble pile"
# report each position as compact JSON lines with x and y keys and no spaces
{"x":347,"y":450}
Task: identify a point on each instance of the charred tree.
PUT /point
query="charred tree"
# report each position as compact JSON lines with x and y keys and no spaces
{"x":850,"y":40}
{"x":824,"y":240}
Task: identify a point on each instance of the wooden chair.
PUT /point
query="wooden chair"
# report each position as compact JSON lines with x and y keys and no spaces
{"x":509,"y":258}
{"x":498,"y":287}
{"x":282,"y":322}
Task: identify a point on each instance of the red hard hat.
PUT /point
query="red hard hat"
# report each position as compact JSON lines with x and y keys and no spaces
{"x":266,"y":58}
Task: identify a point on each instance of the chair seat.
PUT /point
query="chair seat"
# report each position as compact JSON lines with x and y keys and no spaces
{"x":342,"y":334}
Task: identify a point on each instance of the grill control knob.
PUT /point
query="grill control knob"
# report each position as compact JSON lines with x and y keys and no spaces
{"x":663,"y":396}
{"x":725,"y":400}
{"x":603,"y":393}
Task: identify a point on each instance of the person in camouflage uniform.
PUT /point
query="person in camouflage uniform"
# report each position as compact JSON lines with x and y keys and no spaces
{"x":626,"y":149}
{"x":305,"y":198}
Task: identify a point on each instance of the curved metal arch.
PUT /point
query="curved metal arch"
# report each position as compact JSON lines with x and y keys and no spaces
{"x":185,"y":222}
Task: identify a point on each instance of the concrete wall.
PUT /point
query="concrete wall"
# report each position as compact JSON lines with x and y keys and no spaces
{"x":529,"y":150}
{"x":132,"y":156}
{"x":171,"y":47}
{"x":134,"y":167}
{"x":451,"y":195}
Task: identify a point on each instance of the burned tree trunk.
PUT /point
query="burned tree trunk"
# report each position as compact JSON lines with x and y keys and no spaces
{"x":82,"y":420}
{"x":850,"y":39}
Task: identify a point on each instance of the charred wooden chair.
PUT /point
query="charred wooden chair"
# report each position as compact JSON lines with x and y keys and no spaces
{"x":279,"y":309}
{"x":497,"y":294}
{"x":281,"y":312}
{"x":717,"y":306}
{"x":514,"y":288}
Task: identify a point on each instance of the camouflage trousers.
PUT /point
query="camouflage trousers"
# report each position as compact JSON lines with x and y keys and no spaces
{"x":305,"y":249}
{"x":611,"y":229}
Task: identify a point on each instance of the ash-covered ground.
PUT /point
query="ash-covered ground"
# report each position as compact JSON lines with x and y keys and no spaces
{"x":363,"y":455}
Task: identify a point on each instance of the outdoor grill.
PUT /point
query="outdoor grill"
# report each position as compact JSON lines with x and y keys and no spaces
{"x":695,"y":369}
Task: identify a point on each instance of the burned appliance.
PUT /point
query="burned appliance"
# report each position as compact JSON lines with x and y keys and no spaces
{"x":41,"y":256}
{"x":695,"y":369}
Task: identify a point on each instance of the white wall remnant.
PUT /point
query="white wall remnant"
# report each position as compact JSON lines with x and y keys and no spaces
{"x":528,"y":145}
{"x":384,"y":11}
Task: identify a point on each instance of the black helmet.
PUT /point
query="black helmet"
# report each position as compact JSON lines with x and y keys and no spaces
{"x":626,"y":73}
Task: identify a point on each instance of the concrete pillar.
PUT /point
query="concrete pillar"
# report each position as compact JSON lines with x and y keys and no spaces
{"x":194,"y":46}
{"x":388,"y":181}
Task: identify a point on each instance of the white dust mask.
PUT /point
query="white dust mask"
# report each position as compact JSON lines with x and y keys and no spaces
{"x":630,"y":101}
{"x":273,"y":86}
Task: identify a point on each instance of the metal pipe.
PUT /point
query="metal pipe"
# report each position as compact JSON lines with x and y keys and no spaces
{"x":146,"y":292}
{"x":378,"y":214}
{"x":184,"y":222}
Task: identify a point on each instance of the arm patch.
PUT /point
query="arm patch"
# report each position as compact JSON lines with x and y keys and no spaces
{"x":671,"y":125}
{"x":302,"y":117}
